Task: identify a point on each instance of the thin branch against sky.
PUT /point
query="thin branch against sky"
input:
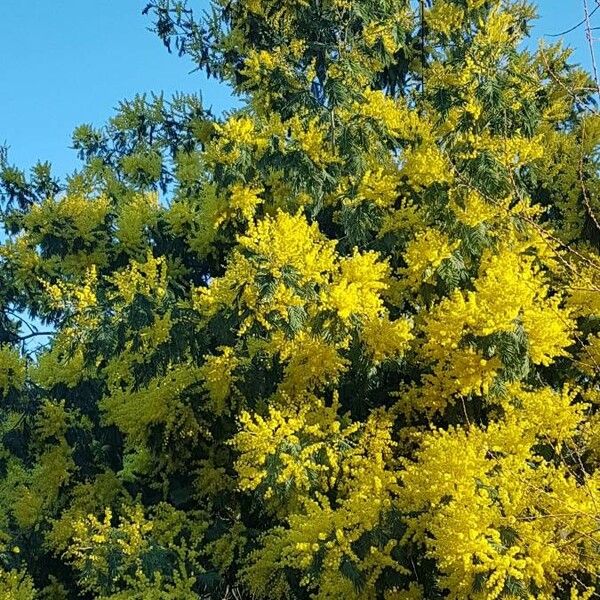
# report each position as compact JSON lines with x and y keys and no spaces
{"x":591,"y":40}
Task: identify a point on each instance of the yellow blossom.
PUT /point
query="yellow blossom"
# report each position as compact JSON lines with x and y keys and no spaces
{"x":12,"y":370}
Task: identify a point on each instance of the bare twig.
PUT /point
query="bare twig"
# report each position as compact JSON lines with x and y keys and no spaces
{"x":574,"y":26}
{"x":35,"y":334}
{"x":590,"y":40}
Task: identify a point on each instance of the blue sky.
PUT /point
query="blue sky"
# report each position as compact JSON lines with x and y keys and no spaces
{"x":67,"y":62}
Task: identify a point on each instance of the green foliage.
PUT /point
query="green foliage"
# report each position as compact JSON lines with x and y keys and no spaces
{"x":341,"y":343}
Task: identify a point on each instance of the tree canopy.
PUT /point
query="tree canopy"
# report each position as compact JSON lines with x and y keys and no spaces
{"x":343,"y":342}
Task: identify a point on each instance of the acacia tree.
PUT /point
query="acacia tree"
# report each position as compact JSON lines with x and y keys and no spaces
{"x":343,"y":343}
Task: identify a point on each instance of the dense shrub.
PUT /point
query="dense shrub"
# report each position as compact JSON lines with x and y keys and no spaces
{"x":343,"y":343}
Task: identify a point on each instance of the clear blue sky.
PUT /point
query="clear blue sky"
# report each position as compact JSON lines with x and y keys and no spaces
{"x":67,"y":62}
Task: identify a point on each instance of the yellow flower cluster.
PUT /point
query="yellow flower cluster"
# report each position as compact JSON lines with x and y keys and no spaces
{"x":445,"y":17}
{"x":471,"y":208}
{"x":119,"y":553}
{"x":135,"y":216}
{"x":386,"y":339}
{"x":75,"y":298}
{"x":32,"y":494}
{"x":245,"y":200}
{"x":397,"y":120}
{"x":513,"y":151}
{"x":12,"y":370}
{"x":426,"y":165}
{"x":510,"y":292}
{"x":218,"y":377}
{"x":375,"y":32}
{"x":321,"y":531}
{"x":423,"y":255}
{"x":509,"y":286}
{"x":305,"y":281}
{"x":302,"y":440}
{"x":84,"y":215}
{"x":404,"y":219}
{"x":148,"y":279}
{"x":258,"y":65}
{"x":378,"y":186}
{"x":496,"y":31}
{"x":237,"y":130}
{"x":311,"y":138}
{"x":491,"y":511}
{"x":82,"y":224}
{"x":160,"y":402}
{"x":357,"y":289}
{"x":288,"y":241}
{"x":235,"y":135}
{"x":15,"y":585}
{"x":59,"y":365}
{"x":550,"y":329}
{"x":52,"y":420}
{"x":310,"y":362}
